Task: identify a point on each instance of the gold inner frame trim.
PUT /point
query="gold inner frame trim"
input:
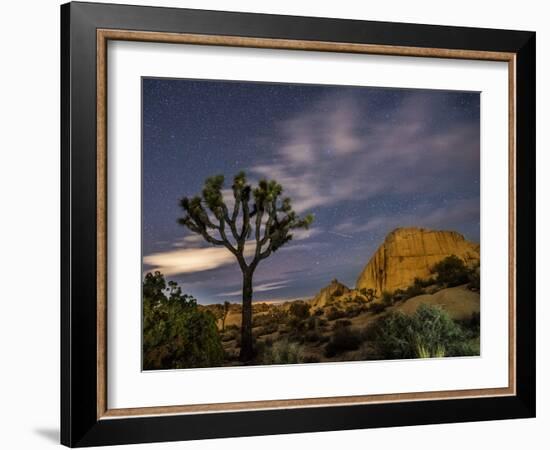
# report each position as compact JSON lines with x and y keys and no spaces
{"x":103,"y":36}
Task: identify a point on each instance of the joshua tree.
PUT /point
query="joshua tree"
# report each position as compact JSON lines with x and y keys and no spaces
{"x":259,"y":223}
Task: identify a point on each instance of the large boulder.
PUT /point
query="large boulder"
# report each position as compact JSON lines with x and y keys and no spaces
{"x":409,"y":253}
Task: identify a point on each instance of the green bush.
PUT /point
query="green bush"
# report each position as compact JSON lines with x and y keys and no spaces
{"x":451,"y":271}
{"x":176,"y":332}
{"x":427,"y":333}
{"x":282,"y":352}
{"x":342,"y":340}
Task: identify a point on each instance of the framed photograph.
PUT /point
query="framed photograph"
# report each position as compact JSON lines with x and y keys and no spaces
{"x":276,"y":224}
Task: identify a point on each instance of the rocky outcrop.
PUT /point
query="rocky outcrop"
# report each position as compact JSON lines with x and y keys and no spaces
{"x":328,"y":294}
{"x":409,"y":253}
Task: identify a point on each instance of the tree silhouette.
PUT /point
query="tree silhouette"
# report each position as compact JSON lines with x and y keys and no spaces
{"x":259,"y":213}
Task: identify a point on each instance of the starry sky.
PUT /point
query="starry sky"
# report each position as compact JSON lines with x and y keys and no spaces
{"x":363,"y":160}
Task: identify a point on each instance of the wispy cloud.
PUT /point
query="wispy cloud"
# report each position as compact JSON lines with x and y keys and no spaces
{"x":259,"y":288}
{"x":192,"y":254}
{"x":337,"y":152}
{"x":189,"y":260}
{"x":449,"y":215}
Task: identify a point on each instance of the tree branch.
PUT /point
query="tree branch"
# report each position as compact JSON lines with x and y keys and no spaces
{"x":246,"y":221}
{"x":258,"y":230}
{"x":231,"y":222}
{"x":272,"y":211}
{"x":224,"y":237}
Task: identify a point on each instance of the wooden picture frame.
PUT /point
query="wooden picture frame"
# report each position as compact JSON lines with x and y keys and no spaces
{"x":86,"y":418}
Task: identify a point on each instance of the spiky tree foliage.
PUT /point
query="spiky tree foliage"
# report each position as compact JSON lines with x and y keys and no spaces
{"x":259,"y":217}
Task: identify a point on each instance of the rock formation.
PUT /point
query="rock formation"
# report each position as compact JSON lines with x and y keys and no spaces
{"x":409,"y":253}
{"x":334,"y":290}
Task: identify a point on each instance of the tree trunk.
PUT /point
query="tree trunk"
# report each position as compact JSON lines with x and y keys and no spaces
{"x":247,"y":347}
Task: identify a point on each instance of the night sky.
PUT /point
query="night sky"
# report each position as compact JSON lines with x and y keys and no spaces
{"x":362,"y":160}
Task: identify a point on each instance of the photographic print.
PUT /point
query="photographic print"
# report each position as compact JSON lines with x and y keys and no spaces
{"x":294,"y":223}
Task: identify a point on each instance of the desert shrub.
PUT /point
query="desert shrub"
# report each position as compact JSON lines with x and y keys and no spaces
{"x":266,"y":329}
{"x":472,"y":324}
{"x":231,"y":332}
{"x":428,"y":332}
{"x":342,"y":323}
{"x":473,"y":278}
{"x":176,"y":332}
{"x":342,"y":340}
{"x":297,"y":325}
{"x":413,"y":291}
{"x":282,"y":352}
{"x":398,"y":295}
{"x":370,"y":332}
{"x":377,"y":308}
{"x":387,"y":298}
{"x":313,"y":323}
{"x":369,"y":294}
{"x":466,"y":348}
{"x":284,"y":329}
{"x":273,"y":316}
{"x":310,"y":359}
{"x":259,"y":320}
{"x":229,"y":335}
{"x":451,"y":271}
{"x":335,"y":313}
{"x":355,"y":310}
{"x":422,"y":283}
{"x":299,"y":310}
{"x":313,"y":336}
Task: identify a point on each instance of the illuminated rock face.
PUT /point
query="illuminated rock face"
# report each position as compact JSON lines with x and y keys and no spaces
{"x":409,"y":253}
{"x":328,"y":294}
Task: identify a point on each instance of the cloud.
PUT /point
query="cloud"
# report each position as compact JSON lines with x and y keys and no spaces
{"x":192,"y":240}
{"x":192,"y":254}
{"x":339,"y":151}
{"x":189,"y":260}
{"x":450,"y":215}
{"x":259,"y":288}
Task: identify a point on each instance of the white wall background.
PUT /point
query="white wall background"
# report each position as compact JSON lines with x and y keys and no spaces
{"x":29,"y":229}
